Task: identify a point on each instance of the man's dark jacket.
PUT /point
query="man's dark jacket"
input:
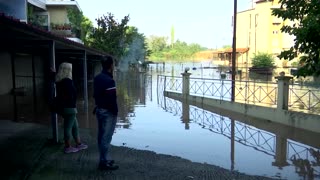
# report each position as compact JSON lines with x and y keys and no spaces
{"x":105,"y":93}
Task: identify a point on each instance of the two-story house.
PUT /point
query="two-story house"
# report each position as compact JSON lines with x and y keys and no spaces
{"x":259,"y":31}
{"x":51,"y":15}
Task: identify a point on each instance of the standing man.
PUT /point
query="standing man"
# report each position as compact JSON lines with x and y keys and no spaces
{"x":106,"y":111}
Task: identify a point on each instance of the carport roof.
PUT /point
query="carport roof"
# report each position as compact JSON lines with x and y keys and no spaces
{"x":13,"y":31}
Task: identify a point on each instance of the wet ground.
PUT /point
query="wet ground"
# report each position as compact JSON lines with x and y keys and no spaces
{"x":27,"y":153}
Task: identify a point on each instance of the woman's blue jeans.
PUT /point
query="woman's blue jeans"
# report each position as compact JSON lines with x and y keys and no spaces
{"x":106,"y":126}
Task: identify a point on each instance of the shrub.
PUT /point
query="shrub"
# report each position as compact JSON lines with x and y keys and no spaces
{"x":263,"y":60}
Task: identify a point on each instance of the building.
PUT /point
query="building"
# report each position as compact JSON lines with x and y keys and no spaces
{"x":30,"y":53}
{"x":50,"y":15}
{"x":259,"y":31}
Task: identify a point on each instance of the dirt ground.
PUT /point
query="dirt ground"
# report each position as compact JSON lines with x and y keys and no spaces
{"x":27,"y":153}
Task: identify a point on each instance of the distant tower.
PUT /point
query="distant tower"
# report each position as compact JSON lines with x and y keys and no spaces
{"x":172,"y":36}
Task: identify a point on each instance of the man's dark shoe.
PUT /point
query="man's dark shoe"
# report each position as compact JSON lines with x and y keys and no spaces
{"x":108,"y":166}
{"x":110,"y":162}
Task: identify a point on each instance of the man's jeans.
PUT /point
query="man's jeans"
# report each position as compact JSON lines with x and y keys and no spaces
{"x":106,"y":126}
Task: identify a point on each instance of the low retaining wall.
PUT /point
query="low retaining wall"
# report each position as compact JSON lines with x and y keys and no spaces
{"x":300,"y":120}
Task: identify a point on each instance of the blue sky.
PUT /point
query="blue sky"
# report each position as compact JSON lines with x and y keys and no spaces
{"x":206,"y":22}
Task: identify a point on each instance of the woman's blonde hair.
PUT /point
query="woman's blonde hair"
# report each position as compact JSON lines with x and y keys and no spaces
{"x":65,"y":71}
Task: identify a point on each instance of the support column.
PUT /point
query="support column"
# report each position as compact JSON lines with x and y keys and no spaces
{"x":281,"y":152}
{"x":186,"y":113}
{"x":283,"y":91}
{"x":13,"y":69}
{"x":52,"y":63}
{"x":34,"y":87}
{"x":85,"y":83}
{"x":185,"y":84}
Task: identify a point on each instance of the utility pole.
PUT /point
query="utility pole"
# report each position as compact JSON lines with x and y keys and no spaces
{"x":234,"y":51}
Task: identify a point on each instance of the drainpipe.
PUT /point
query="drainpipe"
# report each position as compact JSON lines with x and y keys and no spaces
{"x":283,"y":91}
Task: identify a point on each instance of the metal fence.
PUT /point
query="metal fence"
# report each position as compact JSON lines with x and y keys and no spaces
{"x":305,"y":99}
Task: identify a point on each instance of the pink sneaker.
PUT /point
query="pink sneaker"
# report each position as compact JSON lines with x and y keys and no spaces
{"x":81,"y":146}
{"x":70,"y":150}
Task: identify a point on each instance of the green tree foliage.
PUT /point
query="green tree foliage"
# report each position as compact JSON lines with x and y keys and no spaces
{"x":180,"y":50}
{"x":110,"y":35}
{"x":86,"y":30}
{"x":305,"y":18}
{"x":172,"y":36}
{"x":157,"y":43}
{"x":262,"y":60}
{"x":226,"y":46}
{"x":80,"y":25}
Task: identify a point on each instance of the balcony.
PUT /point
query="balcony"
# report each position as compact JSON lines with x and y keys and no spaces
{"x":62,"y":30}
{"x":38,"y":3}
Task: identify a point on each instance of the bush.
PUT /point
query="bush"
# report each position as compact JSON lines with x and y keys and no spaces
{"x":262,"y":60}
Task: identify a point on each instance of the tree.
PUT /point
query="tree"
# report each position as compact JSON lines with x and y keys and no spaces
{"x":157,"y":43}
{"x":80,"y":25}
{"x":86,"y":30}
{"x":110,"y":35}
{"x":305,"y":26}
{"x":262,"y":60}
{"x":226,"y":46}
{"x":172,"y":36}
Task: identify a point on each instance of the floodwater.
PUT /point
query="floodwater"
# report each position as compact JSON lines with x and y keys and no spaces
{"x":149,"y":121}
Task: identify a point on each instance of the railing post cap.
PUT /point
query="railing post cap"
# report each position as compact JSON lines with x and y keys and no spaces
{"x":185,"y":74}
{"x":284,"y":77}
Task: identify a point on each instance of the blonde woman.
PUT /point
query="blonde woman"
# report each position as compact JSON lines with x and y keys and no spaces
{"x":66,"y":100}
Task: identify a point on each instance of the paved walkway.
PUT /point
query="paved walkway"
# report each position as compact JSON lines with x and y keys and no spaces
{"x":27,"y":154}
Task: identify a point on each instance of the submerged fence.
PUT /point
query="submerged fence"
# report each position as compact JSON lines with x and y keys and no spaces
{"x":300,"y":98}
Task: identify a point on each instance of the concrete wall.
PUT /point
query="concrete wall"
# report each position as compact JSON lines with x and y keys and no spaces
{"x":304,"y":121}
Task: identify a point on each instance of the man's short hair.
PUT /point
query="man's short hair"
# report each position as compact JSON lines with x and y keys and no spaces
{"x":107,"y":62}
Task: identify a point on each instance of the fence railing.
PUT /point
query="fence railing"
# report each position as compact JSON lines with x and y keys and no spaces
{"x":247,"y":92}
{"x":304,"y":99}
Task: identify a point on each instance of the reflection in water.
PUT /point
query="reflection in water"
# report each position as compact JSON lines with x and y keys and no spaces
{"x":133,"y":88}
{"x":286,"y":152}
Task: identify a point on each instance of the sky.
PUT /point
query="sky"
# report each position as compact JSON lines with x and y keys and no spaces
{"x":205,"y":22}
